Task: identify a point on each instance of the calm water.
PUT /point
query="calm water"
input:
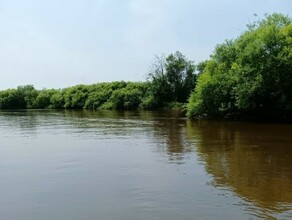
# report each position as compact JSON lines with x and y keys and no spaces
{"x":70,"y":165}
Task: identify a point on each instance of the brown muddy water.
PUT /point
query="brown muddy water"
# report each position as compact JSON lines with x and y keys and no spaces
{"x":73,"y":165}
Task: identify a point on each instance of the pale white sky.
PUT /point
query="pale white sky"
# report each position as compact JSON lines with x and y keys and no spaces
{"x":62,"y":43}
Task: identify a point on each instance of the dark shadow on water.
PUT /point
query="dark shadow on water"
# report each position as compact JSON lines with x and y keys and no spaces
{"x":253,"y":160}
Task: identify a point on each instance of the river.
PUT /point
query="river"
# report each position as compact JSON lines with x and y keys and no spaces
{"x":73,"y":165}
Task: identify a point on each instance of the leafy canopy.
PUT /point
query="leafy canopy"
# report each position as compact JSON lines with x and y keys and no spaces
{"x":249,"y":76}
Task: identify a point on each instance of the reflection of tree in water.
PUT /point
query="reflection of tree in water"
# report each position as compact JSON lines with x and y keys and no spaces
{"x":168,"y":127}
{"x":254,"y":160}
{"x":107,"y":123}
{"x":25,"y":121}
{"x":169,"y":132}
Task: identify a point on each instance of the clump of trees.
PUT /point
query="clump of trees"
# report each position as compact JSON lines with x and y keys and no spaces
{"x":22,"y":97}
{"x":172,"y":78}
{"x":250,"y":76}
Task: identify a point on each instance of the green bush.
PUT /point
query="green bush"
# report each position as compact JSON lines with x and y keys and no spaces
{"x":12,"y":99}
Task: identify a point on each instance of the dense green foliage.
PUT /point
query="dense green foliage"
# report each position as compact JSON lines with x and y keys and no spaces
{"x":155,"y":93}
{"x":114,"y":95}
{"x":172,"y":78}
{"x":250,"y":76}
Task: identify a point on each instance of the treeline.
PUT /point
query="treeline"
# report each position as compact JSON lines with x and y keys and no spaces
{"x":247,"y":77}
{"x":169,"y":83}
{"x":114,"y":95}
{"x":250,"y":76}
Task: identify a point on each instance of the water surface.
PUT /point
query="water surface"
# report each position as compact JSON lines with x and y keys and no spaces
{"x":141,"y":165}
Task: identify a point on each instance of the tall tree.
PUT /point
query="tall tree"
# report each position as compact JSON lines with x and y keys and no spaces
{"x":173,"y":78}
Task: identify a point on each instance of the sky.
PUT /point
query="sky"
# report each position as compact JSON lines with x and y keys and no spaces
{"x":60,"y":43}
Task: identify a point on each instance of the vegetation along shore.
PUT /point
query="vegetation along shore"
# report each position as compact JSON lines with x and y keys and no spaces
{"x":246,"y":77}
